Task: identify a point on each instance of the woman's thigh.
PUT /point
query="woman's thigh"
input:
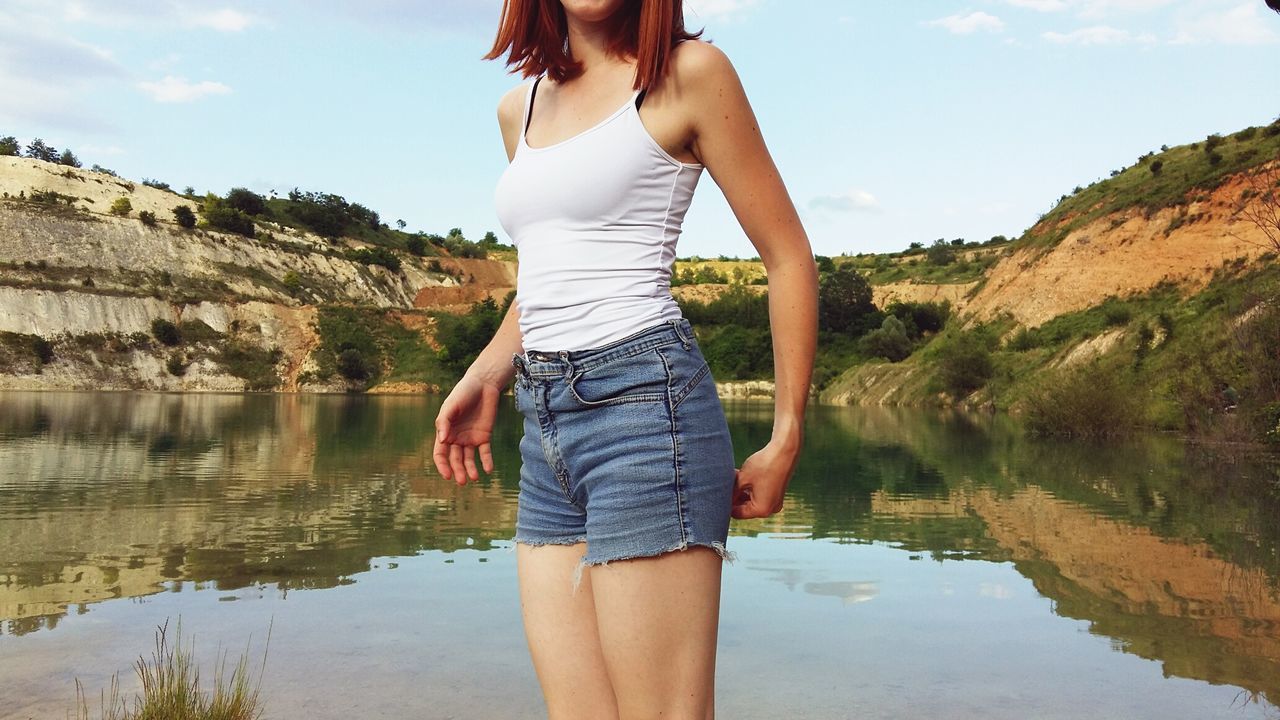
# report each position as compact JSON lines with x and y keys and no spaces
{"x":657,"y":619}
{"x":560,"y":626}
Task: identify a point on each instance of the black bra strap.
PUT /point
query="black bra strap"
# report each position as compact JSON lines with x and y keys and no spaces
{"x":528,"y":112}
{"x":640,"y":97}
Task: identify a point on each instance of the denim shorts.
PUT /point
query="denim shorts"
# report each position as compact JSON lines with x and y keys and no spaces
{"x":625,"y":447}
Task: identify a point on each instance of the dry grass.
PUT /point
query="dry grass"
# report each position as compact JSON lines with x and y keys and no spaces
{"x":171,"y":687}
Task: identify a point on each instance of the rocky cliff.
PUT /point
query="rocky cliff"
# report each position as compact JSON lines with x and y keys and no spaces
{"x":81,"y":290}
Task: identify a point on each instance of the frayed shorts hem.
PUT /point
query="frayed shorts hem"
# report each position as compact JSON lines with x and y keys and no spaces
{"x":588,"y":560}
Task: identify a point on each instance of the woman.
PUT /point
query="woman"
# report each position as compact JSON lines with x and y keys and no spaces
{"x":627,"y":480}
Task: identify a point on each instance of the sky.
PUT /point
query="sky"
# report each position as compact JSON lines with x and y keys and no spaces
{"x":891,"y":121}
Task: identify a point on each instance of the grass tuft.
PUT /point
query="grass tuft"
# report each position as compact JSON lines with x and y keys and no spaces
{"x":171,"y":687}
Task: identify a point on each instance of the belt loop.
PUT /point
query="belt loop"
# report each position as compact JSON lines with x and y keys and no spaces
{"x":675,"y":325}
{"x":568,"y":365}
{"x":522,"y":372}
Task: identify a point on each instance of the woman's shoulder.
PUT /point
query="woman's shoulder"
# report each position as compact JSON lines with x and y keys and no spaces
{"x":511,"y":104}
{"x":699,"y":63}
{"x":511,"y":115}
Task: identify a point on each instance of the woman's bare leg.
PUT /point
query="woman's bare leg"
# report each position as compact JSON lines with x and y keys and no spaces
{"x":657,"y":620}
{"x":560,"y":625}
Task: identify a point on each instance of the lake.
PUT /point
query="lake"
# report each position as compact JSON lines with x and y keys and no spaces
{"x":926,"y":565}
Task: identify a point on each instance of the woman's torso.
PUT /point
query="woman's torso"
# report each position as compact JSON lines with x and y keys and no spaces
{"x":595,"y":219}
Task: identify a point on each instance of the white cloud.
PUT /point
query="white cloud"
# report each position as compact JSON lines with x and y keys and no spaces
{"x":139,"y":13}
{"x":717,"y":8}
{"x":970,"y":23}
{"x":42,"y":74}
{"x":854,"y":200}
{"x":179,"y":90}
{"x":1093,"y":8}
{"x":1241,"y":24}
{"x":1041,"y":5}
{"x":1098,"y":35}
{"x":225,"y":20}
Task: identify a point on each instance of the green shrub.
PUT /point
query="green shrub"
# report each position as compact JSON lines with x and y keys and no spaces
{"x":184,"y":216}
{"x":9,"y":146}
{"x":844,"y":302}
{"x":940,"y":253}
{"x":148,"y":218}
{"x":1025,"y":339}
{"x":246,"y":201}
{"x":965,"y":363}
{"x":42,"y":349}
{"x":920,"y":317}
{"x":736,"y":306}
{"x":194,"y":331}
{"x":166,"y":332}
{"x":375,"y":256}
{"x":224,"y":217}
{"x":1116,"y":314}
{"x":176,"y":364}
{"x":890,"y":341}
{"x":353,"y":365}
{"x":121,"y":207}
{"x":416,"y":245}
{"x":734,"y":352}
{"x":462,"y":337}
{"x":1094,"y":399}
{"x":255,"y":365}
{"x":152,"y":183}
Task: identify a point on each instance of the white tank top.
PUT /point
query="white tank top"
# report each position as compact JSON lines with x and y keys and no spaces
{"x":595,"y":220}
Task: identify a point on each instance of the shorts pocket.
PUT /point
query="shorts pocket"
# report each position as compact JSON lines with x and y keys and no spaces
{"x":642,"y":377}
{"x":687,"y":368}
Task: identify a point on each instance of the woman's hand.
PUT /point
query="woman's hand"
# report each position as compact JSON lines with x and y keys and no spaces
{"x":464,"y":425}
{"x":761,"y":482}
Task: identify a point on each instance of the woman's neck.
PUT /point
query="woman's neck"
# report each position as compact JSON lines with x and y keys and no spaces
{"x":589,"y":44}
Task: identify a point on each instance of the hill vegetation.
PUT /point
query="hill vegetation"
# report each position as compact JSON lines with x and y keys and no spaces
{"x":1199,"y":358}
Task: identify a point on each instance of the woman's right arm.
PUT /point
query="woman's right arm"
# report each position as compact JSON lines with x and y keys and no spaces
{"x":464,"y":425}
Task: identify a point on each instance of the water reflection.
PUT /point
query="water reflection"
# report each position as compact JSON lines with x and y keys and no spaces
{"x":1173,"y":556}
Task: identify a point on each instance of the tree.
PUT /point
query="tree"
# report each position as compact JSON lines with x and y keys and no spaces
{"x":246,"y":201}
{"x":37,"y":150}
{"x":489,"y":239}
{"x":166,"y":332}
{"x":121,"y":207}
{"x":940,"y":253}
{"x":890,"y":341}
{"x":825,"y":264}
{"x":222,"y":216}
{"x":185,"y":217}
{"x":9,"y":146}
{"x":455,"y":232}
{"x":844,"y":301}
{"x":401,"y":224}
{"x":69,"y":159}
{"x":965,"y":363}
{"x":417,"y":245}
{"x":1260,"y":202}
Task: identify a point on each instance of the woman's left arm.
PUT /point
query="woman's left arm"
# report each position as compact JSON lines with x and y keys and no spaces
{"x":728,"y":142}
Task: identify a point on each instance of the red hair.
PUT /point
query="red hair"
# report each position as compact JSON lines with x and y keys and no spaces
{"x":534,"y":35}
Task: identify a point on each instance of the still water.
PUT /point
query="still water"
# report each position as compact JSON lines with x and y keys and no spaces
{"x":925,"y":565}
